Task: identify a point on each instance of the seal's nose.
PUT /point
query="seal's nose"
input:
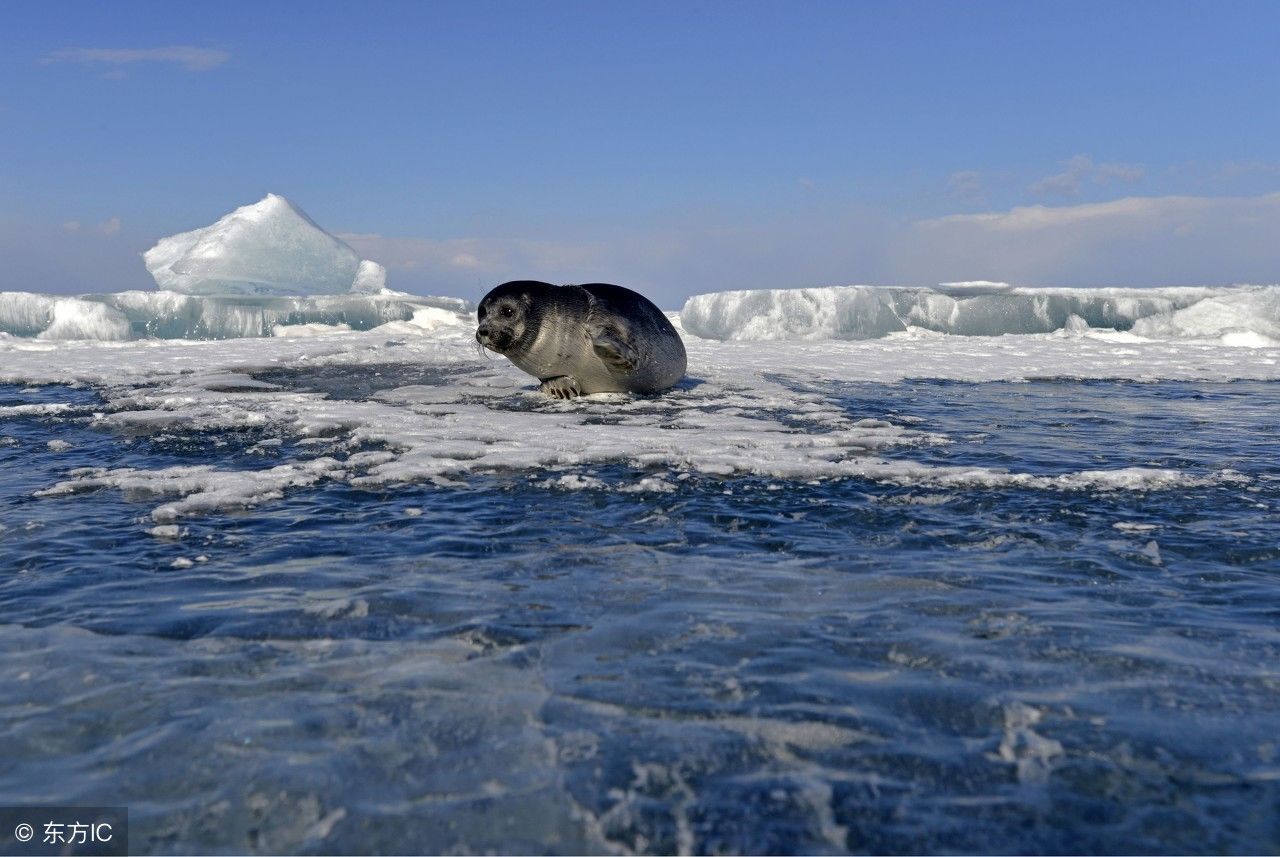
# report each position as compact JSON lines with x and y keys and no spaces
{"x":482,"y":332}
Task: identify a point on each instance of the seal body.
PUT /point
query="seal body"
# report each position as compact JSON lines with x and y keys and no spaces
{"x":593,"y":338}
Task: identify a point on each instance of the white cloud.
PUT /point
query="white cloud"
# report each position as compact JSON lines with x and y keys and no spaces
{"x":1235,"y":169}
{"x":1136,"y":241}
{"x":1081,"y":169}
{"x":187,"y":56}
{"x":667,"y":263}
{"x":107,"y":227}
{"x":469,"y":266}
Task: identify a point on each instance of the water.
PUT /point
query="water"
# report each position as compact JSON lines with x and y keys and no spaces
{"x":738,"y":665}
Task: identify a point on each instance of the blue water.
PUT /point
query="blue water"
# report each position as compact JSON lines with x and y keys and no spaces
{"x":743,"y":665}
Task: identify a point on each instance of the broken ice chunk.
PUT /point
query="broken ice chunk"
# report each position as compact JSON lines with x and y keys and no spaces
{"x":371,"y":278}
{"x":269,"y":248}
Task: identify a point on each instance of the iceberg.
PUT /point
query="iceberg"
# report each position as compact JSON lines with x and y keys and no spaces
{"x":269,"y":248}
{"x":1247,"y":315}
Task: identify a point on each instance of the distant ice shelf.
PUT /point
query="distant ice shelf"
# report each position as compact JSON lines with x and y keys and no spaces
{"x":1243,"y":315}
{"x":1237,"y":316}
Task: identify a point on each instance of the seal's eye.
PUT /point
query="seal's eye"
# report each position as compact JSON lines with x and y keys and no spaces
{"x":508,"y":311}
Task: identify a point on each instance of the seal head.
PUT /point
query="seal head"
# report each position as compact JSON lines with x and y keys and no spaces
{"x":593,"y":338}
{"x":508,"y":317}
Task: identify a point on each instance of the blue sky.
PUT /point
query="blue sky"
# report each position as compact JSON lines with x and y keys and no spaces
{"x":677,"y":147}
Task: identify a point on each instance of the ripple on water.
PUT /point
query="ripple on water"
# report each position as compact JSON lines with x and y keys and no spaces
{"x":732,"y":665}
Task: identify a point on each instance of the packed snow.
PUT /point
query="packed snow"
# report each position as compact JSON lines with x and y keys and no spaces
{"x":268,"y":248}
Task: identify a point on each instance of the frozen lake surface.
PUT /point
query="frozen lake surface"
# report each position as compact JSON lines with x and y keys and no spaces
{"x":368,"y":592}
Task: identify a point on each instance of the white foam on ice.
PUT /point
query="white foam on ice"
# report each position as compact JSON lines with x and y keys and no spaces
{"x":268,"y":248}
{"x":747,"y":409}
{"x":1248,"y":315}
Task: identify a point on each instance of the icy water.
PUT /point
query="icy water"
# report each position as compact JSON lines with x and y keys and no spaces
{"x":741,"y":664}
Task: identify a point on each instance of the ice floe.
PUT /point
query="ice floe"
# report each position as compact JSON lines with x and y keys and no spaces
{"x":201,"y":488}
{"x":413,"y":401}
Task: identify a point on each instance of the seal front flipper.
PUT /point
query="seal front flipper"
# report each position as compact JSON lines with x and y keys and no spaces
{"x":562,"y":387}
{"x":616,"y":354}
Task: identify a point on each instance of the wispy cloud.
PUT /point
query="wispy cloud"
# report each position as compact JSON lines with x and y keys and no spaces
{"x":1234,"y":169}
{"x":1081,"y":170}
{"x":967,"y":184}
{"x":461,"y":262}
{"x":1134,"y":241}
{"x":111,"y":226}
{"x":189,"y":57}
{"x":1138,"y":241}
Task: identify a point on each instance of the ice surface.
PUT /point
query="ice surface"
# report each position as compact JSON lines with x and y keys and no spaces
{"x":268,"y":248}
{"x":200,"y":487}
{"x":1235,"y":316}
{"x":413,"y":401}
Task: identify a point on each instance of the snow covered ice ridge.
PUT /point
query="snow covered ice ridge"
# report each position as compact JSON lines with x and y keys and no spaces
{"x":412,"y":401}
{"x":171,"y":315}
{"x":1241,"y":315}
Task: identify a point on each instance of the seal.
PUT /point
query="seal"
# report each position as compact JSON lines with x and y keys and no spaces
{"x":592,"y":338}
